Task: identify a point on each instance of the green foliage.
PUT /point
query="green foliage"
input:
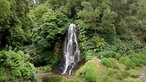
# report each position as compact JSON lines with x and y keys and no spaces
{"x":136,"y":59}
{"x":54,"y":4}
{"x":92,"y":71}
{"x":113,"y":30}
{"x":112,"y":63}
{"x":129,"y":79}
{"x":120,"y":74}
{"x":108,"y":62}
{"x":139,"y":58}
{"x":90,"y":54}
{"x":99,"y":19}
{"x":109,"y":54}
{"x":127,"y":62}
{"x":15,"y":66}
{"x":14,"y":26}
{"x":99,"y":43}
{"x":46,"y":68}
{"x":38,"y":12}
{"x":88,"y":46}
{"x":47,"y":35}
{"x":4,"y":8}
{"x":134,"y":73}
{"x":3,"y":75}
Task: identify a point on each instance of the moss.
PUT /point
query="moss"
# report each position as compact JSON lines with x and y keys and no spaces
{"x":92,"y":71}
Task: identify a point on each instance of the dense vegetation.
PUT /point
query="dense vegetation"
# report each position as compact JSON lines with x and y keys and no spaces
{"x":31,"y":35}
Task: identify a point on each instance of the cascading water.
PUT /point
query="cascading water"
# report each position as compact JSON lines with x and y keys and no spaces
{"x":71,"y":50}
{"x":35,"y":1}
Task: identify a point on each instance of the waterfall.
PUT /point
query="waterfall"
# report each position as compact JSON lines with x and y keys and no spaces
{"x":34,"y":1}
{"x":71,"y":50}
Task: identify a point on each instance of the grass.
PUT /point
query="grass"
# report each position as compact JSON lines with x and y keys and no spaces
{"x":92,"y":71}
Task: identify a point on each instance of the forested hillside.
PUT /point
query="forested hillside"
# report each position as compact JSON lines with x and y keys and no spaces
{"x":111,"y":36}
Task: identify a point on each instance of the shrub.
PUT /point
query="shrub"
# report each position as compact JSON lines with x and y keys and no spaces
{"x":15,"y":66}
{"x":127,"y":61}
{"x":90,"y":54}
{"x":109,"y":54}
{"x":134,"y":73}
{"x":46,"y":68}
{"x":109,"y":62}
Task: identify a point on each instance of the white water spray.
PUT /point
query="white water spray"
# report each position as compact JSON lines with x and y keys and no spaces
{"x":71,"y":50}
{"x":34,"y":1}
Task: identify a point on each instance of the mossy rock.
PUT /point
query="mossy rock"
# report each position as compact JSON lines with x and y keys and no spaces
{"x":92,"y":71}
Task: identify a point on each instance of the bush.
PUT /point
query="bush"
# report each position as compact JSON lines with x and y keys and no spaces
{"x":109,"y":62}
{"x":46,"y":68}
{"x":90,"y":54}
{"x":127,"y":61}
{"x":134,"y":59}
{"x":134,"y":73}
{"x":15,"y":66}
{"x":109,"y":54}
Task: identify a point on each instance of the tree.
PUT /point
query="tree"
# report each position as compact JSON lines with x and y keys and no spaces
{"x":47,"y":35}
{"x":14,"y":23}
